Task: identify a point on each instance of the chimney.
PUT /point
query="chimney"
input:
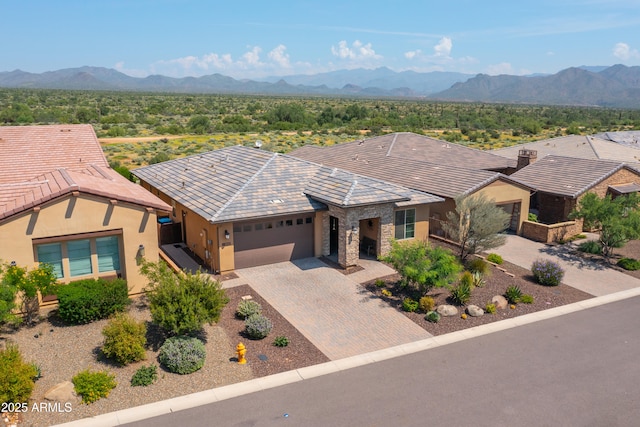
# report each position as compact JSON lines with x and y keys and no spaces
{"x":526,"y":157}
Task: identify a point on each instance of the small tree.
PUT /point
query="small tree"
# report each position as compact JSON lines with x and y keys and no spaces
{"x":618,"y":219}
{"x":476,"y":224}
{"x":27,"y":285}
{"x":421,"y":266}
{"x":181,"y":304}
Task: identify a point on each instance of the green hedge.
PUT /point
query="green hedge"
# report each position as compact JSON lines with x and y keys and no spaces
{"x":88,"y":300}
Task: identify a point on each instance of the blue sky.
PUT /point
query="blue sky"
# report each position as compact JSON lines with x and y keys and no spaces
{"x":256,"y":38}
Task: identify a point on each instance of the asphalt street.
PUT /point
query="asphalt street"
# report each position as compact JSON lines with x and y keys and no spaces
{"x":579,"y":369}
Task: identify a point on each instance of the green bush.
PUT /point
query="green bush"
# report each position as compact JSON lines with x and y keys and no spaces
{"x":432,"y":316}
{"x":182,"y":355}
{"x":409,"y":305}
{"x":257,"y":326}
{"x":478,"y":265}
{"x":93,"y":386}
{"x":490,"y":308}
{"x":513,"y":294}
{"x":380,"y":283}
{"x":124,"y":339}
{"x":88,"y":300}
{"x":547,"y":272}
{"x":466,"y":278}
{"x":281,"y":341}
{"x":16,"y":376}
{"x":495,"y":258}
{"x":427,"y":304}
{"x":629,"y":264}
{"x":182,"y":304}
{"x":144,"y":376}
{"x":532,"y":217}
{"x":461,"y":294}
{"x":248,"y":307}
{"x":591,"y":247}
{"x":526,"y":299}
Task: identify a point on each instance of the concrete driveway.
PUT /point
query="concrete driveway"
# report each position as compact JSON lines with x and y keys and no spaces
{"x":330,"y":309}
{"x":588,"y":276}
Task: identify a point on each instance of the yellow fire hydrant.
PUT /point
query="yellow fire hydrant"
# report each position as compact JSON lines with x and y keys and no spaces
{"x":242,"y":351}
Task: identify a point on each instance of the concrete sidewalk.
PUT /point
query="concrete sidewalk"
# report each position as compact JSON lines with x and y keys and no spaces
{"x":588,"y":276}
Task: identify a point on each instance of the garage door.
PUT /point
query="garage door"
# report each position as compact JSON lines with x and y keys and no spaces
{"x":277,"y":240}
{"x":513,"y":209}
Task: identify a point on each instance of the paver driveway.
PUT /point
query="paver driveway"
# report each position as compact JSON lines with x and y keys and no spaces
{"x":337,"y":315}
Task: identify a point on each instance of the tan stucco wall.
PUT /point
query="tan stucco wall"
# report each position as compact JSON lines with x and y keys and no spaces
{"x":504,"y":192}
{"x":83,"y":214}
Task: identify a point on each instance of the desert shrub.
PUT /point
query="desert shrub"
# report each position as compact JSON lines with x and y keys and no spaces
{"x":88,"y":300}
{"x":257,"y":326}
{"x":526,"y":299}
{"x":248,"y":307}
{"x":590,"y":247}
{"x":386,"y":292}
{"x":478,"y":265}
{"x":547,"y":272}
{"x":513,"y":294}
{"x":93,"y":386}
{"x":461,"y":294}
{"x":490,"y":308}
{"x":182,"y":304}
{"x":16,"y":376}
{"x":629,"y":264}
{"x":144,"y":376}
{"x":182,"y":355}
{"x":478,"y":280}
{"x":380,"y":283}
{"x":432,"y":316}
{"x":410,"y":305}
{"x":281,"y":341}
{"x":124,"y":339}
{"x":495,"y":258}
{"x":466,"y":278}
{"x":427,"y":304}
{"x":532,"y":217}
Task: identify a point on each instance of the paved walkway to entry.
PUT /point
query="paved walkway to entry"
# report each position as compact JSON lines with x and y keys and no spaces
{"x":580,"y":273}
{"x":331,"y":310}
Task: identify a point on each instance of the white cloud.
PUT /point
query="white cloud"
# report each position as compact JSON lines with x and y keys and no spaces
{"x":625,"y":52}
{"x":413,"y":54}
{"x":443,"y":48}
{"x":357,"y":51}
{"x":280,"y":57}
{"x":501,"y":68}
{"x":119,"y":66}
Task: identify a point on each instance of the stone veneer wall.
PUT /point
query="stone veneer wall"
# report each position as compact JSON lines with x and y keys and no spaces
{"x":349,"y":230}
{"x":547,"y":233}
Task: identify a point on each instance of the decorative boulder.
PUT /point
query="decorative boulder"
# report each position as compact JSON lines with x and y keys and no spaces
{"x":475,"y":311}
{"x":62,"y":392}
{"x":447,"y":310}
{"x":500,"y":302}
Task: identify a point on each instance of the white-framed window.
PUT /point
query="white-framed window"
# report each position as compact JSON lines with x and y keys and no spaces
{"x":405,"y":224}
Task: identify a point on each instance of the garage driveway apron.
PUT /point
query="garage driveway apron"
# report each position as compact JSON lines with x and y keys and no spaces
{"x":335,"y":313}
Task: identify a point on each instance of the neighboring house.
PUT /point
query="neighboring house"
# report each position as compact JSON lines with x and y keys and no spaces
{"x":437,"y":167}
{"x":560,"y":182}
{"x":62,"y":204}
{"x":578,"y":146}
{"x":239,"y":207}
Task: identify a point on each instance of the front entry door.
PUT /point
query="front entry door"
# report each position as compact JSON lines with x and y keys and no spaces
{"x":333,"y":235}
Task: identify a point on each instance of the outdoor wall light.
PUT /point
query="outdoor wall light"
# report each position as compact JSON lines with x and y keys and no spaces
{"x":13,"y":264}
{"x":227,"y":235}
{"x":141,"y":251}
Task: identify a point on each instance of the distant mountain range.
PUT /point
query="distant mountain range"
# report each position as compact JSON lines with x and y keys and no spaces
{"x":616,"y":86}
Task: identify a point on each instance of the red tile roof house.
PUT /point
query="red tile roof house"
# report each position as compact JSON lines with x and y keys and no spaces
{"x":560,"y":182}
{"x":61,"y":203}
{"x":240,"y":207}
{"x":430,"y":165}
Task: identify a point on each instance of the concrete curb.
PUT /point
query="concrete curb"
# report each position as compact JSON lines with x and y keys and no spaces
{"x":193,"y":400}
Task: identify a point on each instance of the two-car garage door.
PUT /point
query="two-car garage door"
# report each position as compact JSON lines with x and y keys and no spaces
{"x":271,"y":241}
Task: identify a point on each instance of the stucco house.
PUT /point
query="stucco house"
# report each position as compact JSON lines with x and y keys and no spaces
{"x":433,"y":166}
{"x":560,"y":182}
{"x":62,"y":204}
{"x":240,"y":207}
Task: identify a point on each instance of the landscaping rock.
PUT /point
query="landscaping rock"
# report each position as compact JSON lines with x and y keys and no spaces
{"x":475,"y":311}
{"x":62,"y":392}
{"x":447,"y":310}
{"x":500,"y":302}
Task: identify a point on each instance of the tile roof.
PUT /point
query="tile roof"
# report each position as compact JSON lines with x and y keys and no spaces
{"x":369,"y":158}
{"x":40,"y":163}
{"x":238,"y":183}
{"x":580,"y":146}
{"x":567,"y":176}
